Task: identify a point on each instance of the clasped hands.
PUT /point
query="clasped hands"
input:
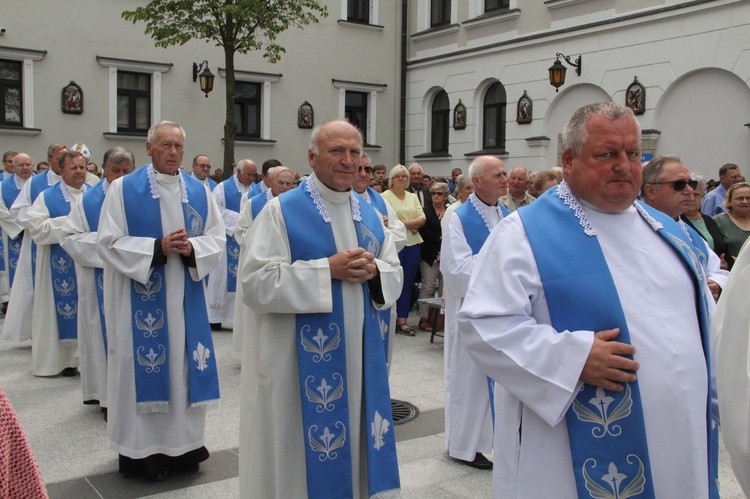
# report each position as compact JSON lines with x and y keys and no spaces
{"x":353,"y":265}
{"x":606,"y":367}
{"x":176,"y":242}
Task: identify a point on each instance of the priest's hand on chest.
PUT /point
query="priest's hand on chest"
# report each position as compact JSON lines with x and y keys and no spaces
{"x":606,"y":365}
{"x":354,"y":265}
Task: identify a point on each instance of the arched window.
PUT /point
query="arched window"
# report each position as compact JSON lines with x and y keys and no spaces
{"x":495,"y":104}
{"x":440,"y":122}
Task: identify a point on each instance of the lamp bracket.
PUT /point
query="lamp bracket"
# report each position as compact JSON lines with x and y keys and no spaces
{"x":577,"y":64}
{"x":197,"y":68}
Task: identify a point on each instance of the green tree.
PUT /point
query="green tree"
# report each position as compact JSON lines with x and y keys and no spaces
{"x":239,"y":26}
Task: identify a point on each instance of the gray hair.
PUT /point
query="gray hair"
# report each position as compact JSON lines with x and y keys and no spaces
{"x":476,"y":168}
{"x":574,"y":134}
{"x":117,"y":155}
{"x":274,"y":171}
{"x":654,"y":169}
{"x":412,"y":166}
{"x":440,"y":186}
{"x":151,"y":138}
{"x":241,"y":164}
{"x":701,"y":181}
{"x":462,"y":181}
{"x":314,"y":136}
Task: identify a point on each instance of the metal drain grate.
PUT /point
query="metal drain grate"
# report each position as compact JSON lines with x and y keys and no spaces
{"x":403,"y":412}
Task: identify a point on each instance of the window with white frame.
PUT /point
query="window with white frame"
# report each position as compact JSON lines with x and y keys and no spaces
{"x":358,"y":102}
{"x":252,"y":103}
{"x":360,"y":11}
{"x":480,"y":7}
{"x":134,"y":94}
{"x":17,"y":90}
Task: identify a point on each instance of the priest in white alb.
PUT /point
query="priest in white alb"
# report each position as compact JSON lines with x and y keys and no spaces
{"x":13,"y":232}
{"x":160,"y":234}
{"x":281,"y":180}
{"x":592,"y":310}
{"x":79,"y":236}
{"x":17,"y":324}
{"x":54,"y":327}
{"x":468,"y":414}
{"x":315,"y":417}
{"x":222,"y":282}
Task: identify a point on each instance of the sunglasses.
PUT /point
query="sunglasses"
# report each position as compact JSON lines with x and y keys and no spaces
{"x":367,"y":169}
{"x":679,"y":185}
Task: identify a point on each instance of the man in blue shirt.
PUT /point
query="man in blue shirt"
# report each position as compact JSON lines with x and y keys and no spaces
{"x":713,"y":202}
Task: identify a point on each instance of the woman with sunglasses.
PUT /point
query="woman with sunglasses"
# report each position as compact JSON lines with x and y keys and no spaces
{"x":735,"y":223}
{"x":430,"y":265}
{"x":704,"y":224}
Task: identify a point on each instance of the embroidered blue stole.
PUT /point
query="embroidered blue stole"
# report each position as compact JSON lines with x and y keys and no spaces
{"x":258,"y":203}
{"x":380,"y":205}
{"x":62,"y":271}
{"x":10,"y":193}
{"x":476,"y":233}
{"x":321,"y":352}
{"x":38,"y":184}
{"x":232,"y":198}
{"x":606,"y":429}
{"x":148,"y":301}
{"x":93,"y":199}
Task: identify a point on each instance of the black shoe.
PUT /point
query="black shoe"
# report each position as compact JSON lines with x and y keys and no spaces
{"x":69,"y":371}
{"x":91,"y":402}
{"x":158,"y":477}
{"x":480,"y":462}
{"x":215,"y":326}
{"x":191,"y":468}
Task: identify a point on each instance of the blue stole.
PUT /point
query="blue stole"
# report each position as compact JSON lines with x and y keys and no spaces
{"x":93,"y":199}
{"x":258,"y":203}
{"x":321,"y":353}
{"x":62,"y":270}
{"x":10,"y":193}
{"x":380,"y":205}
{"x":148,"y":301}
{"x":476,"y":233}
{"x":232,"y":198}
{"x":608,"y":441}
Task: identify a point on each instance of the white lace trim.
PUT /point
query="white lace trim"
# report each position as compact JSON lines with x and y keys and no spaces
{"x":482,"y":210}
{"x":655,"y":224}
{"x":269,"y":195}
{"x":237,"y":183}
{"x":105,"y":186}
{"x":152,"y":182}
{"x":312,"y":189}
{"x":685,"y":229}
{"x":65,"y":193}
{"x":154,"y":186}
{"x":50,"y":183}
{"x":572,"y":202}
{"x":17,"y":181}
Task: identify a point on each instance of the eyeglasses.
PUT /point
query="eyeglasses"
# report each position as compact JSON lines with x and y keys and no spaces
{"x":437,"y":194}
{"x":203,"y":165}
{"x":367,"y":169}
{"x":679,"y":185}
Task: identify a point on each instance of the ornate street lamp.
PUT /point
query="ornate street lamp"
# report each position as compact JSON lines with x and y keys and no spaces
{"x":557,"y":70}
{"x":206,"y":77}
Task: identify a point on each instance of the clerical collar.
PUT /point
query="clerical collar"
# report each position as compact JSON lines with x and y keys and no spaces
{"x":319,"y":192}
{"x":483,"y":201}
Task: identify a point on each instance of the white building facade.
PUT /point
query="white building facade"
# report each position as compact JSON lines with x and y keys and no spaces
{"x":347,"y":65}
{"x":691,"y":58}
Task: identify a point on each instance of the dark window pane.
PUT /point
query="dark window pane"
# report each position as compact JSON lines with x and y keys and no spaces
{"x":355,"y":110}
{"x":12,"y":100}
{"x":440,"y":122}
{"x":440,"y":12}
{"x":494,"y":110}
{"x":490,"y":5}
{"x":11,"y":96}
{"x":358,"y":11}
{"x":247,"y":109}
{"x":133,"y":102}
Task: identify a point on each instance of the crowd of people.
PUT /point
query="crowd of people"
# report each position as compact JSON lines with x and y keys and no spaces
{"x":578,"y":304}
